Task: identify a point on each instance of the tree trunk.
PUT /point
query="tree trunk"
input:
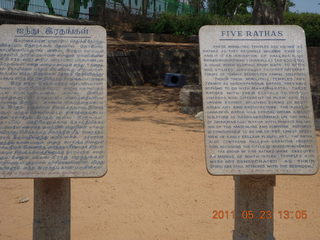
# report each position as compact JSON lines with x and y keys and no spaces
{"x":99,"y":7}
{"x":144,"y":7}
{"x":268,"y":11}
{"x":74,"y":9}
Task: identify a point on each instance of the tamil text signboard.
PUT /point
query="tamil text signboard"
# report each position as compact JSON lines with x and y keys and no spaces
{"x":52,"y":101}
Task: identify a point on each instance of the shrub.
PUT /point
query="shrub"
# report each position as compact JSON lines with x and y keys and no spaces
{"x":190,"y":24}
{"x":310,"y":22}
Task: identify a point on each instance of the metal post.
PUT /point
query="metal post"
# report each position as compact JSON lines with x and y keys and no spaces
{"x":52,"y":207}
{"x":254,"y":207}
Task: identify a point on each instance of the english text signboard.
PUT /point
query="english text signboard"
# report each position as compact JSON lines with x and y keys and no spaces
{"x":257,"y":100}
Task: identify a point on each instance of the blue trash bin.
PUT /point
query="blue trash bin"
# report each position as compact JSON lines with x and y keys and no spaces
{"x":174,"y":80}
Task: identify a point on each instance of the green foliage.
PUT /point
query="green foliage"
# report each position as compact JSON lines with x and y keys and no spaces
{"x":228,"y":7}
{"x":310,"y":22}
{"x":21,"y":5}
{"x":166,"y":23}
{"x":172,"y":6}
{"x":244,"y":19}
{"x":24,"y":5}
{"x":190,"y":24}
{"x":289,"y":4}
{"x":186,"y":24}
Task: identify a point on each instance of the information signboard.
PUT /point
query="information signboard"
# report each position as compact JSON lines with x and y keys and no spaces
{"x":257,"y":101}
{"x":52,"y":101}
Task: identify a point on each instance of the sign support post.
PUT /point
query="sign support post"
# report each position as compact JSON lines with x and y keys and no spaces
{"x":52,"y":208}
{"x":254,"y":207}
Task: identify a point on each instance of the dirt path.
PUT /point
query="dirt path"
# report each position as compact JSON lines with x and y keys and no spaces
{"x":157,"y":186}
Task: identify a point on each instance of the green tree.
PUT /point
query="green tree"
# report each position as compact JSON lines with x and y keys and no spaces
{"x":21,"y":5}
{"x":173,"y":6}
{"x":233,"y":7}
{"x":289,"y":4}
{"x":98,"y":6}
{"x":268,"y":11}
{"x":124,"y":6}
{"x":228,"y":8}
{"x":75,"y":5}
{"x":50,"y":7}
{"x":73,"y":8}
{"x":145,"y":7}
{"x":24,"y":4}
{"x":197,"y":5}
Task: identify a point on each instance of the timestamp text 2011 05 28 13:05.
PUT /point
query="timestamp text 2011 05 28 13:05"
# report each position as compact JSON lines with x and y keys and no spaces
{"x":299,"y":214}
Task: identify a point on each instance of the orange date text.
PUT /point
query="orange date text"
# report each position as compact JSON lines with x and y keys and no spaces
{"x":260,"y":215}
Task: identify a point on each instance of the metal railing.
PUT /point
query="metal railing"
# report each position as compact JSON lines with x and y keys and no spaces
{"x":154,"y":7}
{"x":60,"y":8}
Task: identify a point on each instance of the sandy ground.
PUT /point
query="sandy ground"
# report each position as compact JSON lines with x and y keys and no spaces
{"x":157,"y":186}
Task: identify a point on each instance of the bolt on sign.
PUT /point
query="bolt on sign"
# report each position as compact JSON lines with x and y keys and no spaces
{"x":257,"y":101}
{"x":53,"y":101}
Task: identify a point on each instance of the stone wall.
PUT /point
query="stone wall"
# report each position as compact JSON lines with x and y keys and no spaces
{"x":314,"y":67}
{"x":152,"y":61}
{"x":124,"y":68}
{"x":138,"y":64}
